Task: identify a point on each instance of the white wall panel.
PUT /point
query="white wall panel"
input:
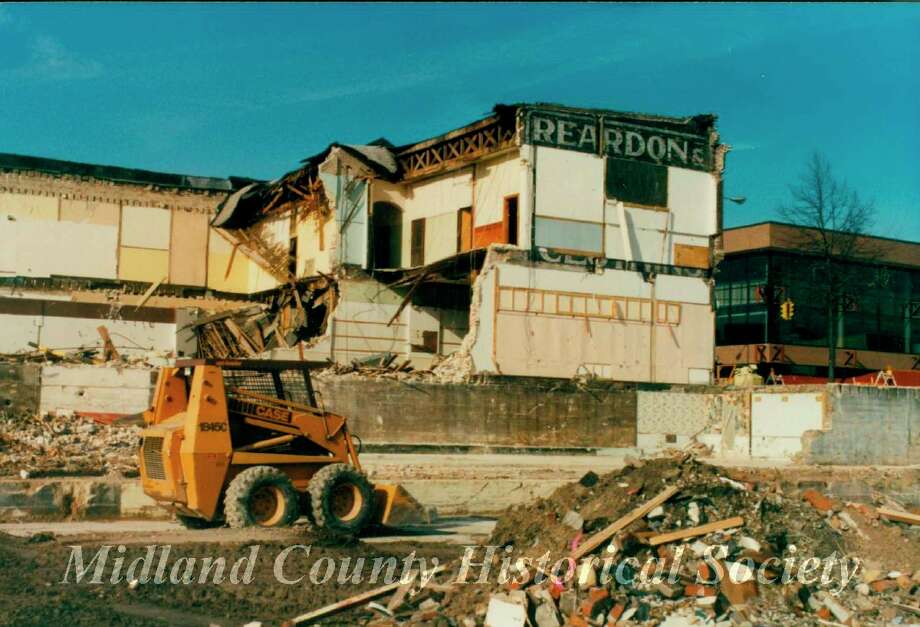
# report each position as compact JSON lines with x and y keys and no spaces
{"x":440,"y":236}
{"x":584,"y":237}
{"x":570,"y":185}
{"x":692,"y":197}
{"x":611,"y":282}
{"x":682,"y":289}
{"x":778,"y":422}
{"x":495,"y":179}
{"x":145,"y":227}
{"x":44,"y":248}
{"x":60,"y":332}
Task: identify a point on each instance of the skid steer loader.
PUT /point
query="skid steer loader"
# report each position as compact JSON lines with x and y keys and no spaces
{"x":244,"y":443}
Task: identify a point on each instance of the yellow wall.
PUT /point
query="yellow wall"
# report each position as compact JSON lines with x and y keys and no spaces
{"x":142,"y":264}
{"x":90,"y":211}
{"x":188,"y":243}
{"x":149,"y":242}
{"x":219,"y":251}
{"x":308,"y":249}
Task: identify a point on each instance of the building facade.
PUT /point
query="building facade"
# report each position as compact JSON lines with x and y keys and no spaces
{"x":764,"y":266}
{"x":82,"y":245}
{"x":539,"y":241}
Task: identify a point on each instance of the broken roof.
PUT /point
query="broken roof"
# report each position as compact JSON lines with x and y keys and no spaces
{"x":118,"y":174}
{"x":245,"y":206}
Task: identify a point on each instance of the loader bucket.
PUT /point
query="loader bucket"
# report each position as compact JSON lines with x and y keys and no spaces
{"x":396,"y":507}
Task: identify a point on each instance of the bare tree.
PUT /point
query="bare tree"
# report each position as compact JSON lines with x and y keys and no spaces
{"x":835,"y":223}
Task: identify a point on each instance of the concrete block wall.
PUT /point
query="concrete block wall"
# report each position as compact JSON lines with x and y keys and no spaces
{"x":868,"y":425}
{"x":505,"y":412}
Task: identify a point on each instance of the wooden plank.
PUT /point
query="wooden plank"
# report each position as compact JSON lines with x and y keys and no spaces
{"x":691,"y":256}
{"x":240,"y":336}
{"x":109,"y":351}
{"x":608,"y":532}
{"x":150,"y":290}
{"x":354,"y":600}
{"x":893,"y":514}
{"x":693,"y":532}
{"x":400,"y":595}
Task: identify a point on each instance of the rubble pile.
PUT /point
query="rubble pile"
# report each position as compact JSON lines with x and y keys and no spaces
{"x":36,"y":446}
{"x":673,"y":541}
{"x":291,"y":316}
{"x":91,"y":355}
{"x":384,"y":366}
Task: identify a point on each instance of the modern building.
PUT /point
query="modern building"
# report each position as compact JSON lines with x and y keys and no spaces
{"x":765,"y":266}
{"x":540,"y":240}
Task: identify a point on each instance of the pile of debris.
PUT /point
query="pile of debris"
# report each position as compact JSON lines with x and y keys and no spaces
{"x":291,"y":316}
{"x":673,"y":541}
{"x":37,"y":446}
{"x":103,"y":353}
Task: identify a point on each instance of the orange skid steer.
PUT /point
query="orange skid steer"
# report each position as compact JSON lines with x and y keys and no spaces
{"x":244,"y":443}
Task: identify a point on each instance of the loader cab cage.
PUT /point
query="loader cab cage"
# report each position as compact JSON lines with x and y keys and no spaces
{"x":285,"y":380}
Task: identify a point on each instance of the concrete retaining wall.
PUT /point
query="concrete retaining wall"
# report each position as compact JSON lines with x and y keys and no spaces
{"x":78,"y":388}
{"x":869,"y":425}
{"x":513,"y":412}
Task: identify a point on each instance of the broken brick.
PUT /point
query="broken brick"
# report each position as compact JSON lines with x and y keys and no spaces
{"x":883,"y":585}
{"x":818,"y":500}
{"x":697,"y":590}
{"x":738,"y":594}
{"x":576,"y":621}
{"x":668,"y":591}
{"x":615,"y":612}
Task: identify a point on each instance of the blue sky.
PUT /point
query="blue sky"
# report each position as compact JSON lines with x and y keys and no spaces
{"x":249,"y":89}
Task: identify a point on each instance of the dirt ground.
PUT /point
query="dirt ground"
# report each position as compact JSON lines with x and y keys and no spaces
{"x":32,"y":591}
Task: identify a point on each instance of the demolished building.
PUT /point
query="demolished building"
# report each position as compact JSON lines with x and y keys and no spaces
{"x":91,"y":250}
{"x":539,"y":241}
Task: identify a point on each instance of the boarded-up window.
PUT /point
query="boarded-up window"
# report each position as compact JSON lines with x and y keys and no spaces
{"x":569,"y":235}
{"x":637,"y":182}
{"x":464,"y":229}
{"x":691,"y":256}
{"x":418,"y":242}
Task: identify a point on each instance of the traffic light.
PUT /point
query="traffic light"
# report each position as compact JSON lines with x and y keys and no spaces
{"x":787,"y":309}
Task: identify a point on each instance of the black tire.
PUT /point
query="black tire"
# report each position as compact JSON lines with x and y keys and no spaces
{"x":261,"y":496}
{"x":342,"y":500}
{"x":193,"y":522}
